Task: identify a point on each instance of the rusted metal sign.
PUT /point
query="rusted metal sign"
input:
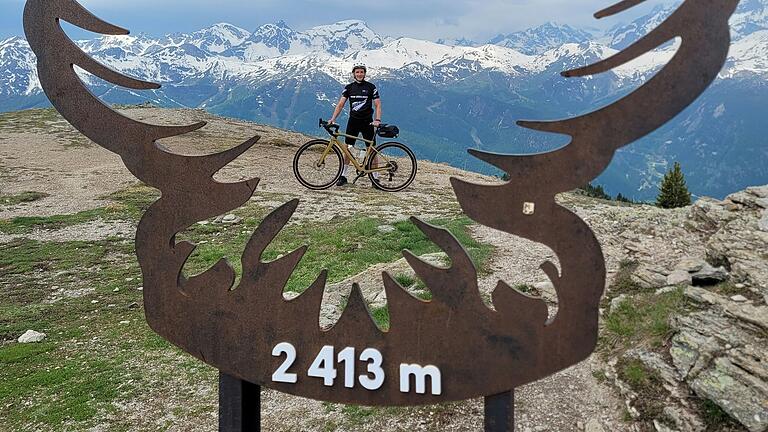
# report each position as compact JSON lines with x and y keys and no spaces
{"x":450,"y":348}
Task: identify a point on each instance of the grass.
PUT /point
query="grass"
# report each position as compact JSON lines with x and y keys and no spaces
{"x":24,"y":197}
{"x":66,"y":384}
{"x":405,"y":281}
{"x":344,"y":249}
{"x":21,"y":121}
{"x":381,"y":317}
{"x":351,"y":417}
{"x":90,"y":360}
{"x":424,"y":295}
{"x":642,"y":320}
{"x":45,"y":120}
{"x":127,"y":204}
{"x":729,"y":289}
{"x":24,"y":256}
{"x":622,"y":281}
{"x":715,"y":419}
{"x":648,"y":386}
{"x":600,"y":376}
{"x":416,"y":286}
{"x":635,"y":374}
{"x":527,"y":289}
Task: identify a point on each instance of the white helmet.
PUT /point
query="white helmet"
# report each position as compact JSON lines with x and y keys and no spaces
{"x":359,"y":66}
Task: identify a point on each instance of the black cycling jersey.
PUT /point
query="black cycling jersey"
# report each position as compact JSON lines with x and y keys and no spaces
{"x":361,"y":96}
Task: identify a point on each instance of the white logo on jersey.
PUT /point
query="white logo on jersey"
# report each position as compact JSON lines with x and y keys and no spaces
{"x":357,"y":106}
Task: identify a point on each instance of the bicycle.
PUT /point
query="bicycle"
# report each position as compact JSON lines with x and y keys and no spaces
{"x":318,"y":164}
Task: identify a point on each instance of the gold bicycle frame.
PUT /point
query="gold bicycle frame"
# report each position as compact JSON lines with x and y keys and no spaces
{"x":370,"y":148}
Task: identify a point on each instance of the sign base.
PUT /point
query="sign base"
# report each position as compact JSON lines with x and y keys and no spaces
{"x":237,"y":399}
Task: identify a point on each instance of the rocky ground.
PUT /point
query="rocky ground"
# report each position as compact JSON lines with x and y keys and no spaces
{"x":700,"y":366}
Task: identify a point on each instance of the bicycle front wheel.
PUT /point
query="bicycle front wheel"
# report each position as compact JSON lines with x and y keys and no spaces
{"x":313,"y":170}
{"x":394,"y":165}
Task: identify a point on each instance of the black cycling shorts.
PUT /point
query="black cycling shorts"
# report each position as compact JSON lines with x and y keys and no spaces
{"x":356,"y":126}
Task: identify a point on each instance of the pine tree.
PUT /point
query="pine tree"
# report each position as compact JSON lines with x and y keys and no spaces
{"x":595,"y":191}
{"x":673,"y":191}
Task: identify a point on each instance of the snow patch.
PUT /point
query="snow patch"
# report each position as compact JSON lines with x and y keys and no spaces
{"x":720,"y":110}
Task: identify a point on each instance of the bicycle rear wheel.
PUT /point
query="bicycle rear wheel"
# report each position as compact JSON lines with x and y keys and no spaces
{"x":399,"y":165}
{"x":314,"y":173}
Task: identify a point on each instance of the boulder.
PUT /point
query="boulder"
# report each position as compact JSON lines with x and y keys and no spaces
{"x":752,"y":197}
{"x":655,"y":362}
{"x":762,"y":224}
{"x":741,"y":395}
{"x":683,"y":420}
{"x":709,"y":214}
{"x":385,"y":229}
{"x":679,"y":277}
{"x":708,"y":276}
{"x":758,"y":191}
{"x":756,"y":315}
{"x":741,"y":243}
{"x":231,"y":219}
{"x":690,"y":264}
{"x":547,"y":290}
{"x":31,"y":336}
{"x":649,"y":277}
{"x":723,"y":359}
{"x":616,"y":302}
{"x":692,"y":350}
{"x":666,"y":290}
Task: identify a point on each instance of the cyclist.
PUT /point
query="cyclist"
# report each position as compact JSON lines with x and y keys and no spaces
{"x":363,"y":97}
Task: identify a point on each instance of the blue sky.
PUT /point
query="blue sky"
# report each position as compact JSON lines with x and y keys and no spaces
{"x":426,"y":19}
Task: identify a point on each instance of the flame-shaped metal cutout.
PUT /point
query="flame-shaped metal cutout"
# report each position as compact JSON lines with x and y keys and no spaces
{"x":479,"y":351}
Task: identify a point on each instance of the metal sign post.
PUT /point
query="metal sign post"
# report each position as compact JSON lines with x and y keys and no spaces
{"x":450,"y":348}
{"x":500,"y":412}
{"x":239,"y":405}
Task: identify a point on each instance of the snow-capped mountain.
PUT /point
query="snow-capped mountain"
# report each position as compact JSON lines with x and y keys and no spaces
{"x":404,"y":51}
{"x":267,"y":41}
{"x":622,"y":35}
{"x":448,"y":94}
{"x":751,"y":16}
{"x":18,"y":65}
{"x":542,"y":38}
{"x":458,"y":42}
{"x":124,"y":45}
{"x":278,"y":39}
{"x":217,"y":38}
{"x":748,"y":55}
{"x":344,"y":37}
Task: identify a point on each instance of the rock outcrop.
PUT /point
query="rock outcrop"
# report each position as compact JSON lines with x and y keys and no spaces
{"x":739,"y":237}
{"x":718,"y":351}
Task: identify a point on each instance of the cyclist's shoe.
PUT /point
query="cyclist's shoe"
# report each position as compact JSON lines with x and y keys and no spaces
{"x":342,"y":181}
